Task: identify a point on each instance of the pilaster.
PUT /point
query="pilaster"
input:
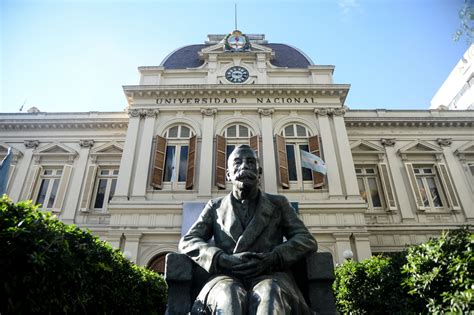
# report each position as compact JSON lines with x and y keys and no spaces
{"x":142,"y":171}
{"x":268,"y":147}
{"x":345,"y":155}
{"x":69,"y":212}
{"x":22,"y":170}
{"x":362,"y":246}
{"x":132,"y":244}
{"x":207,"y":152}
{"x":457,"y":176}
{"x":400,"y":189}
{"x":330,"y":157}
{"x":128,"y":156}
{"x":342,"y":244}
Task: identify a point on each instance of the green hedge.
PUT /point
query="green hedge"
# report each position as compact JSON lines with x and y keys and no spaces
{"x":441,"y":272}
{"x":49,"y":267}
{"x":432,"y":278}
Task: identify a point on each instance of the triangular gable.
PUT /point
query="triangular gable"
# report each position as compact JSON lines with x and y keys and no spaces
{"x":420,"y":147}
{"x":110,"y":148}
{"x":366,"y":147}
{"x":467,"y":148}
{"x":219,"y":48}
{"x":56,"y":148}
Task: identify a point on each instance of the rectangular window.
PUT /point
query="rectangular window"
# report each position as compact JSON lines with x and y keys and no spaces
{"x":105,"y":188}
{"x":429,"y":187}
{"x":176,"y":162}
{"x":369,"y":186}
{"x":48,"y":189}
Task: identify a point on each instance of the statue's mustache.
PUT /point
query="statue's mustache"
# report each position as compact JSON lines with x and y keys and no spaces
{"x":244,"y":174}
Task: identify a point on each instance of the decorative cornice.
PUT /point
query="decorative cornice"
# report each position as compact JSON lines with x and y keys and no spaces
{"x":43,"y":124}
{"x":388,"y":142}
{"x":266,"y":111}
{"x":444,"y":142}
{"x":208,"y":111}
{"x":407,"y":122}
{"x":86,"y":143}
{"x":31,"y":144}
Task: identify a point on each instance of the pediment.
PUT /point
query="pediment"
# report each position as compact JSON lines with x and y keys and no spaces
{"x":110,"y":148}
{"x":467,"y":148}
{"x":4,"y":149}
{"x":366,"y":147}
{"x":55,"y":148}
{"x":420,"y":147}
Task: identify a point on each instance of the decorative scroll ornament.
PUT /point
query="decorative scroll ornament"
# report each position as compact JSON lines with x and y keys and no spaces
{"x":208,"y":111}
{"x":339,"y":111}
{"x":134,"y":112}
{"x":266,"y":111}
{"x":444,"y":142}
{"x":322,"y":111}
{"x":31,"y":144}
{"x":388,"y":142}
{"x":151,"y":112}
{"x":86,"y":143}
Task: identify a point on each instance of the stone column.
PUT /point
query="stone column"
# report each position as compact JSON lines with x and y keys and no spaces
{"x":458,"y":176}
{"x":207,"y":152}
{"x":126,"y":164}
{"x":67,"y":216}
{"x":22,"y":170}
{"x":345,"y":155}
{"x":140,"y":182}
{"x":362,"y":246}
{"x":399,"y":188}
{"x":132,"y":243}
{"x":330,"y":157}
{"x":343,"y":243}
{"x":268,"y":151}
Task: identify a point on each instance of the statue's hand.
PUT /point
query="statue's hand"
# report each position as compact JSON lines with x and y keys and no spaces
{"x":256,"y":265}
{"x":228,"y":261}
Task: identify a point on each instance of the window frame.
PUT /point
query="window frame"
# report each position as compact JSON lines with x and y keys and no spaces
{"x":364,"y":175}
{"x":439,"y":186}
{"x":53,"y":178}
{"x":110,"y":178}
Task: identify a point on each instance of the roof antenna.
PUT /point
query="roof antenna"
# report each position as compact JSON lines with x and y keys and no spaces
{"x":21,"y":108}
{"x":235,"y":12}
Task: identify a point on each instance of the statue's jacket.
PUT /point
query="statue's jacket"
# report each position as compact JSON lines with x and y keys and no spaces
{"x":274,"y":220}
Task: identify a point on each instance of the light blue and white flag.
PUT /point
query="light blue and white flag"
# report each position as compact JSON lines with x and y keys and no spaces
{"x":4,"y":168}
{"x":313,"y":162}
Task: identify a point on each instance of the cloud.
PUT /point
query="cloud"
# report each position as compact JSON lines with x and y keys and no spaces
{"x":348,"y":7}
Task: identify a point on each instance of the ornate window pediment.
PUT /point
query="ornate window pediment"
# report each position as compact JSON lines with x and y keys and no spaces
{"x":110,"y":149}
{"x":55,"y":149}
{"x":420,"y":148}
{"x":4,"y":149}
{"x":466,"y":151}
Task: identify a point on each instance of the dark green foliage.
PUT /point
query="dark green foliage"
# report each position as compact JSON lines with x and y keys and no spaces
{"x":49,"y":267}
{"x":373,"y":286}
{"x":440,"y":272}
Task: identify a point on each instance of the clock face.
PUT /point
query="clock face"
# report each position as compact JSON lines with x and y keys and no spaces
{"x":237,"y":74}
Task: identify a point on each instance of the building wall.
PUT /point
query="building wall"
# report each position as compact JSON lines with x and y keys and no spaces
{"x":94,"y":151}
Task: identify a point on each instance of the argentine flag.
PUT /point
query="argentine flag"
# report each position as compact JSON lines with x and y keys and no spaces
{"x":313,"y":162}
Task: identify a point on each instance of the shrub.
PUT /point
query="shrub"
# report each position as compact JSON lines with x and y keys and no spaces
{"x":440,"y":272}
{"x":49,"y":267}
{"x":373,"y":286}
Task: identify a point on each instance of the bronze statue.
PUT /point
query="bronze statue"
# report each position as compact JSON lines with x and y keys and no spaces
{"x":249,"y":259}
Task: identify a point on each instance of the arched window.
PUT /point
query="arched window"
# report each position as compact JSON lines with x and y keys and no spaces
{"x":175,"y":158}
{"x":232,"y":136}
{"x":293,"y":139}
{"x":157,"y":263}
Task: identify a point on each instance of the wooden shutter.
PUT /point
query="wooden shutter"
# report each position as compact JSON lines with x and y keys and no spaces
{"x":88,"y":187}
{"x":282,"y":161}
{"x":448,"y":186}
{"x":387,"y":186}
{"x":158,"y":163}
{"x":11,"y":170}
{"x":63,"y":184}
{"x":220,"y":161}
{"x":318,"y":178}
{"x":191,"y":163}
{"x":414,"y":186}
{"x":254,"y":143}
{"x":32,"y":181}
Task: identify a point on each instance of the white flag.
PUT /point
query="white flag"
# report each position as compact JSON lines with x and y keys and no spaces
{"x":313,"y":162}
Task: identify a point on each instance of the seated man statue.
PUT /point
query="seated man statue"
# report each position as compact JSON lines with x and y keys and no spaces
{"x":249,"y":259}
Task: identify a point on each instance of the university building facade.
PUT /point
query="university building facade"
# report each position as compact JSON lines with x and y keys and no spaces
{"x":395,"y":177}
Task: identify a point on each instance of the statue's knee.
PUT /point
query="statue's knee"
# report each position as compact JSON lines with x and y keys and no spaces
{"x":267,"y":287}
{"x":229,"y":292}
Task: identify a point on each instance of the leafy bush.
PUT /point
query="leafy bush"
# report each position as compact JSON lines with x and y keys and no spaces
{"x":47,"y":266}
{"x":373,"y":286}
{"x":440,"y":272}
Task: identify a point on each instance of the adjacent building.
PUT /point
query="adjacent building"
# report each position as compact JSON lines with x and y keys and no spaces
{"x":395,"y":177}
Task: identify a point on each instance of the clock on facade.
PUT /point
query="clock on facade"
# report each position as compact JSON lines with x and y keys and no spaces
{"x":237,"y":74}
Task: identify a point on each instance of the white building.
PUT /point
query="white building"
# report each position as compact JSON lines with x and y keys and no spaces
{"x":395,"y":177}
{"x":457,"y":92}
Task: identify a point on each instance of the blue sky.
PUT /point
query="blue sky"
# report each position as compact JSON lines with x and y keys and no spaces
{"x":75,"y":55}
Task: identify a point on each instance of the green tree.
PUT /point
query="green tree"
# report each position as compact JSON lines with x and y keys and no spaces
{"x":440,"y":272}
{"x":49,"y":267}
